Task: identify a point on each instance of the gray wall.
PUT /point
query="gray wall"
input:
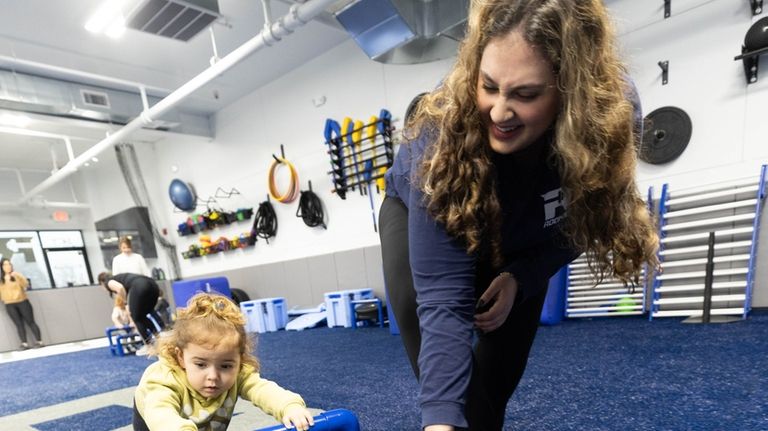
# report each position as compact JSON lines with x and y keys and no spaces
{"x":63,"y":315}
{"x":302,"y":282}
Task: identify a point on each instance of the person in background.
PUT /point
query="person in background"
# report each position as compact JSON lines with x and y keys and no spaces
{"x":128,"y":261}
{"x":13,"y":293}
{"x":205,"y":365}
{"x":120,"y":314}
{"x":121,"y":318}
{"x":163,"y":308}
{"x":523,"y":158}
{"x":141,"y":294}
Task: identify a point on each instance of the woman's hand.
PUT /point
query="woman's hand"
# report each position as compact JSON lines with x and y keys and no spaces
{"x":295,"y":415}
{"x":502,"y":293}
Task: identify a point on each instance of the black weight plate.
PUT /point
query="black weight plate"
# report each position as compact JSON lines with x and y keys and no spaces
{"x":757,"y":35}
{"x":666,"y":133}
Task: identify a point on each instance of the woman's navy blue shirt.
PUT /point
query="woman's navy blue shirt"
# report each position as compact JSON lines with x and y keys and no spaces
{"x":445,"y":276}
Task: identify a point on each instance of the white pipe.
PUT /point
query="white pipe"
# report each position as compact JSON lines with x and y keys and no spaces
{"x":296,"y":17}
{"x":54,"y":162}
{"x":48,"y":204}
{"x":21,"y":181}
{"x":265,"y":5}
{"x":70,"y":152}
{"x":215,"y":57}
{"x":27,"y":132}
{"x":32,"y":66}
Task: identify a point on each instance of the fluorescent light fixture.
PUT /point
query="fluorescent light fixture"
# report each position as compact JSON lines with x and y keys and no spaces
{"x":94,"y":159}
{"x":108,"y":19}
{"x":15,"y":120}
{"x":116,"y":28}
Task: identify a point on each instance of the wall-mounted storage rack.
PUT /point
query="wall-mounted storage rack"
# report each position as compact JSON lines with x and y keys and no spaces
{"x":686,"y":217}
{"x":588,"y":298}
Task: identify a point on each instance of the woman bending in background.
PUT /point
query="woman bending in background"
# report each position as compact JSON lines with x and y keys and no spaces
{"x":141,"y":294}
{"x":13,"y":292}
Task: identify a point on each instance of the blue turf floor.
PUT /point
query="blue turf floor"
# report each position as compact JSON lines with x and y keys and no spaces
{"x":602,"y":374}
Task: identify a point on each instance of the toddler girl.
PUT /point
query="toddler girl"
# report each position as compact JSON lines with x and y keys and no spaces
{"x":121,"y":317}
{"x":205,"y":364}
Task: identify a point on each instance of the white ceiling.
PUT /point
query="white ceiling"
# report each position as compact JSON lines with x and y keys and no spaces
{"x":51,"y":32}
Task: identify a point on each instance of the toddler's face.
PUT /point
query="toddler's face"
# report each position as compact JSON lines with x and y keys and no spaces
{"x":210,"y":371}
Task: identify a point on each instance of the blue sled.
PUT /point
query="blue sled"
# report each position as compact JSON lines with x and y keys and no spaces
{"x":332,"y":420}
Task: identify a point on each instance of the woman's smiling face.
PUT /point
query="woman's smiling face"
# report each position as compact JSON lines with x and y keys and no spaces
{"x":517,"y":94}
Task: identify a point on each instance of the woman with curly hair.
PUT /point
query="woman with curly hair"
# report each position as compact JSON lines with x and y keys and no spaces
{"x":205,"y":365}
{"x":521,"y":160}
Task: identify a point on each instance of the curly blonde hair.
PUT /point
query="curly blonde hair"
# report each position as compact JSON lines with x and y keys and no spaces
{"x":594,"y":140}
{"x":208,"y":320}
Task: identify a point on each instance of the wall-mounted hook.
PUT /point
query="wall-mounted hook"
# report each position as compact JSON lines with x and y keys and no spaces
{"x":664,"y":65}
{"x":757,"y":6}
{"x":751,"y":60}
{"x":667,"y":8}
{"x":282,"y":154}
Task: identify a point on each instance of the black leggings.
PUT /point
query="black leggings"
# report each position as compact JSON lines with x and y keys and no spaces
{"x":142,"y":298}
{"x":500,"y":356}
{"x":21,"y":312}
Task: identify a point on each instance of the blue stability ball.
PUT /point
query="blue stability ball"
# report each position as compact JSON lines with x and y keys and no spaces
{"x":182,"y":195}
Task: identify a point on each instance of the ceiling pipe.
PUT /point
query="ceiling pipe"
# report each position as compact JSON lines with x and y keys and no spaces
{"x":36,"y":134}
{"x":297,"y":16}
{"x":34,"y":67}
{"x":47,"y":204}
{"x":41,"y":203}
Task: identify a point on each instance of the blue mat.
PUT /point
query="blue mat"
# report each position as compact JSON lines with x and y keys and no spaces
{"x":601,"y":374}
{"x":103,"y":419}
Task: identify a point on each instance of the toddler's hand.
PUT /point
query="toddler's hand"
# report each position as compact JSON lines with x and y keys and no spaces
{"x":297,"y":416}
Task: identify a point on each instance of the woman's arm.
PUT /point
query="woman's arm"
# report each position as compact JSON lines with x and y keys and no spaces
{"x":118,"y":288}
{"x":23,"y":282}
{"x":539,"y":263}
{"x":443,"y":275}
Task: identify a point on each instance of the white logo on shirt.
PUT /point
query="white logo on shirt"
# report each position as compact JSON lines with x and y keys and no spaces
{"x":553,"y":200}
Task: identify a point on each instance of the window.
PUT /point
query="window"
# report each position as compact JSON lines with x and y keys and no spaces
{"x":48,"y":258}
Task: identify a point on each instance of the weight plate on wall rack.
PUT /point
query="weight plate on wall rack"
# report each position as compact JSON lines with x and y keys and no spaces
{"x":667,"y":131}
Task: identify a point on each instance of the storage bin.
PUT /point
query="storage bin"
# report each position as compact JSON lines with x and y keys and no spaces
{"x":186,"y":289}
{"x":264,"y":315}
{"x":338,"y":306}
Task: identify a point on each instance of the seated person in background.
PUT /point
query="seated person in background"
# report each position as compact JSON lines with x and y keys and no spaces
{"x":205,"y":365}
{"x":128,"y":261}
{"x":120,"y":314}
{"x":121,"y":317}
